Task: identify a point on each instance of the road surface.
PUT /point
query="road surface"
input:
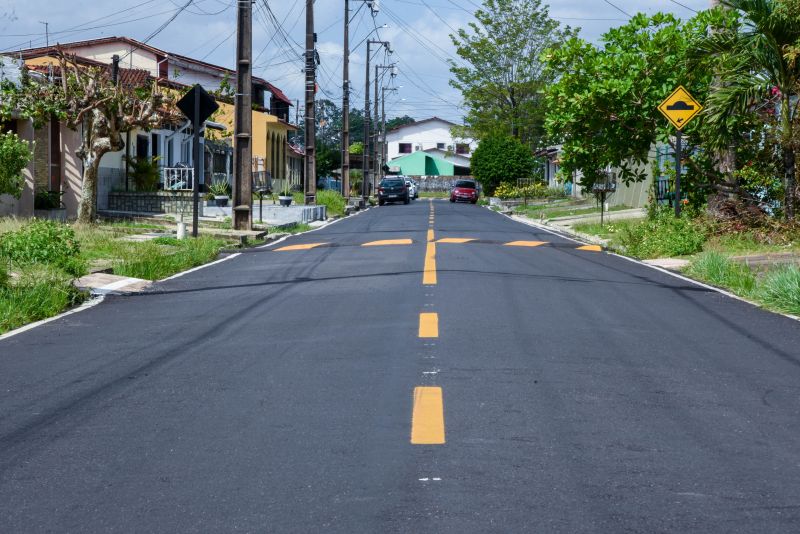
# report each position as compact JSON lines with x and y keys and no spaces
{"x":421,"y":368}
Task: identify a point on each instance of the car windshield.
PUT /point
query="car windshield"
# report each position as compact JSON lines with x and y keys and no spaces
{"x":465,"y":183}
{"x":392,"y":183}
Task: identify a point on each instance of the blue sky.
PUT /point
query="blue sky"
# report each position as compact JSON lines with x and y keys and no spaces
{"x":417,"y":29}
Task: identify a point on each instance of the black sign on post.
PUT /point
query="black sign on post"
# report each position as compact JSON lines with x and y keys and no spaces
{"x":198,"y":106}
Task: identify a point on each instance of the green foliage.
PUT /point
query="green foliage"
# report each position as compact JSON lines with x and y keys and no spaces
{"x":45,"y":242}
{"x":145,"y":172}
{"x":664,"y":235}
{"x":780,"y":289}
{"x":760,"y":183}
{"x":47,"y":200}
{"x":399,"y":121}
{"x":220,"y":188}
{"x":40,"y":292}
{"x":357,"y":148}
{"x":334,"y":201}
{"x":501,"y":158}
{"x":718,"y":270}
{"x":603,"y":108}
{"x":501,"y":75}
{"x":329,"y":157}
{"x":15,"y":154}
{"x":150,"y":261}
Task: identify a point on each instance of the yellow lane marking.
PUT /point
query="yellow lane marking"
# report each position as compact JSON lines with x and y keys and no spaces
{"x":429,"y":325}
{"x":427,"y":419}
{"x":429,"y":271}
{"x":387,"y":242}
{"x":305,"y":246}
{"x":525,"y":243}
{"x":457,"y":240}
{"x":592,"y":248}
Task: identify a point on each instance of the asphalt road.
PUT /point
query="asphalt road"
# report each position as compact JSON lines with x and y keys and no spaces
{"x":554,"y":390}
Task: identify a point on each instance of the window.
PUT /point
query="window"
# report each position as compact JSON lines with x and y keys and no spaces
{"x":440,"y":146}
{"x":405,"y":148}
{"x":462,"y":148}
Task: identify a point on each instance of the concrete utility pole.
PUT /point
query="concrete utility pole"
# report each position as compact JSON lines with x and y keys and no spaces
{"x":376,"y":138}
{"x":46,"y":32}
{"x":243,"y":122}
{"x":346,"y":104}
{"x":383,"y":131}
{"x":311,"y":85}
{"x":365,"y":179}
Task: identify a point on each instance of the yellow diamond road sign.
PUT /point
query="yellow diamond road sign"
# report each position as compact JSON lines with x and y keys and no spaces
{"x":680,"y":107}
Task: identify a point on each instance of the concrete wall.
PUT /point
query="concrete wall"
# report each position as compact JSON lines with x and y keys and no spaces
{"x":156,"y":202}
{"x":426,"y":135}
{"x":71,"y":170}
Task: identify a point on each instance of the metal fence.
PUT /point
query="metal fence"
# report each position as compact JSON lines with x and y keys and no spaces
{"x":177,"y":178}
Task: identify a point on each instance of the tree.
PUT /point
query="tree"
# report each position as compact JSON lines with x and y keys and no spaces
{"x":399,"y":121}
{"x":328,"y":159}
{"x":502,"y":74}
{"x":15,"y":154}
{"x":501,"y":158}
{"x":87,"y":100}
{"x":603,"y":108}
{"x":757,"y":66}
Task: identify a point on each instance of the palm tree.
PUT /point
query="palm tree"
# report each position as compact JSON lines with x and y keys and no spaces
{"x":754,"y":67}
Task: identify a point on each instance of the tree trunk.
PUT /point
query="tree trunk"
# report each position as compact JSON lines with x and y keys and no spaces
{"x":87,"y":209}
{"x":789,"y":181}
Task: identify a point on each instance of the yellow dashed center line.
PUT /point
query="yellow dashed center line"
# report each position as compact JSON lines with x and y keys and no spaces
{"x":427,"y":419}
{"x":387,"y":242}
{"x":305,"y":246}
{"x":591,"y":248}
{"x":525,"y":243}
{"x":428,"y":325}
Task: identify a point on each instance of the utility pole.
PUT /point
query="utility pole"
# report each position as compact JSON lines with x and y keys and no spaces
{"x":46,"y":32}
{"x":367,"y":115}
{"x":346,"y":104}
{"x":383,"y":130}
{"x":243,"y":122}
{"x":311,"y":85}
{"x":376,"y":139}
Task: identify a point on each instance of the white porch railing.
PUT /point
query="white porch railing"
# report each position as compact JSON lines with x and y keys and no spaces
{"x":177,"y":178}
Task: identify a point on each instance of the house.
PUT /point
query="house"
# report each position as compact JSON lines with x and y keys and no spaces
{"x":634,"y":195}
{"x":433,"y":133}
{"x":424,"y":163}
{"x":173,"y":144}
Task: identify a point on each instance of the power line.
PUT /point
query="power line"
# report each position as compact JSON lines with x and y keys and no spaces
{"x":618,"y":9}
{"x":683,"y":6}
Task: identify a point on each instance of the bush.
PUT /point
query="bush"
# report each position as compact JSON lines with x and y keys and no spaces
{"x":334,"y":201}
{"x":664,"y":235}
{"x":15,"y":154}
{"x":780,"y":289}
{"x":500,"y":158}
{"x":718,"y":270}
{"x":145,"y":172}
{"x":46,"y":242}
{"x":505,"y":191}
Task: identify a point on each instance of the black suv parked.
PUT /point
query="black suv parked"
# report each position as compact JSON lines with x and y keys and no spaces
{"x":392,"y":190}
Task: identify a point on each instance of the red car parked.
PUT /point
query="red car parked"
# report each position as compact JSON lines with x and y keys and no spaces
{"x":465,"y":191}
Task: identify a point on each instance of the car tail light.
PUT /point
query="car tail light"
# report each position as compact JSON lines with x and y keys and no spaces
{"x":380,"y":190}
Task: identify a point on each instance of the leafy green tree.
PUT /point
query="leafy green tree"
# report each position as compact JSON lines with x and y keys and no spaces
{"x":399,"y":121}
{"x":501,"y":158}
{"x":357,"y":148}
{"x":756,"y":61}
{"x":15,"y":154}
{"x":502,"y":74}
{"x":328,"y":159}
{"x":603,"y":108}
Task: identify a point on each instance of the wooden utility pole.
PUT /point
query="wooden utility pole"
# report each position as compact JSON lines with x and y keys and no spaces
{"x":311,"y":85}
{"x":346,"y":104}
{"x":243,"y":122}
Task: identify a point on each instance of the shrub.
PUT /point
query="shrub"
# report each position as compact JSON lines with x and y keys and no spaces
{"x":500,"y":158}
{"x":780,"y":288}
{"x":220,"y":188}
{"x":145,"y":172}
{"x":334,"y":201}
{"x":45,"y":242}
{"x":718,"y":270}
{"x":505,"y":191}
{"x":15,"y":154}
{"x":664,"y":235}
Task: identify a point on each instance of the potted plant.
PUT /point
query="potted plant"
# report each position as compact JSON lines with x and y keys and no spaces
{"x":285,"y":198}
{"x":221,"y":191}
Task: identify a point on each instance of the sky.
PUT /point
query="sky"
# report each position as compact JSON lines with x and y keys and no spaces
{"x":418,"y":31}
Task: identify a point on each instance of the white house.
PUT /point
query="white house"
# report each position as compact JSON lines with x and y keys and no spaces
{"x":433,"y":133}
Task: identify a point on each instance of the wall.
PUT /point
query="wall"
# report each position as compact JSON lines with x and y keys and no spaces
{"x":427,"y":134}
{"x":71,"y":170}
{"x":156,"y":202}
{"x":103,"y":52}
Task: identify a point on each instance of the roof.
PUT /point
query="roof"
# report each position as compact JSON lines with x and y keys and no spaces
{"x":423,"y":121}
{"x":45,"y":50}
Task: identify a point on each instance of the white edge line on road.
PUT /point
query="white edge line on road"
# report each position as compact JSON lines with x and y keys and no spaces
{"x":85,"y":306}
{"x":655,"y":267}
{"x":199,"y":267}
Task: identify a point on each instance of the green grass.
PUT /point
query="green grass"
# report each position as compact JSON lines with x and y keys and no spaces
{"x":716,"y":269}
{"x":333,"y":200}
{"x":296,"y":228}
{"x":153,"y":261}
{"x":747,"y":243}
{"x":434,"y":194}
{"x":37,"y":292}
{"x":610,"y":230}
{"x":780,"y":289}
{"x":553,"y":212}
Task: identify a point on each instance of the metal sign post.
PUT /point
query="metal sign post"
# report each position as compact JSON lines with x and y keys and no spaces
{"x":679,"y":108}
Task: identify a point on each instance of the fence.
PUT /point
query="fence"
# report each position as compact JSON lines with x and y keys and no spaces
{"x":177,"y":178}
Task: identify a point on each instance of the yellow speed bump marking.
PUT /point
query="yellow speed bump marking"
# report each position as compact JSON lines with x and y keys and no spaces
{"x":427,"y":419}
{"x":428,"y":325}
{"x":525,"y":243}
{"x":591,"y":248}
{"x":387,"y":242}
{"x":305,"y":246}
{"x":457,"y":240}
